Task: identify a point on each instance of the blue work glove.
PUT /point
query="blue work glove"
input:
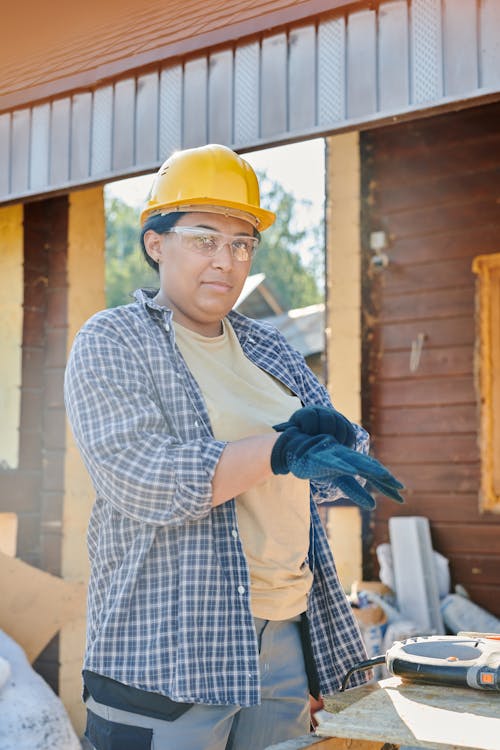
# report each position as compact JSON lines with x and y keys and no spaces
{"x":321,"y":457}
{"x":316,"y":420}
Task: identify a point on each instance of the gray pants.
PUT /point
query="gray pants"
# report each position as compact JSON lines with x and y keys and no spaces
{"x":283,"y":713}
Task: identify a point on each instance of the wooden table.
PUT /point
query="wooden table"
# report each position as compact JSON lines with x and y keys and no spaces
{"x":390,"y":714}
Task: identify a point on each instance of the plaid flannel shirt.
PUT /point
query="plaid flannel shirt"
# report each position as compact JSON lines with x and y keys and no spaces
{"x":169,"y":591}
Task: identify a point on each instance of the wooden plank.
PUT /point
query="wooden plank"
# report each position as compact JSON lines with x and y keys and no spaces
{"x":424,"y":420}
{"x":419,"y":162}
{"x":5,"y":121}
{"x":426,"y":221}
{"x":440,"y":190}
{"x":170,"y":110}
{"x":424,"y":392}
{"x":490,"y":43}
{"x":437,"y":507}
{"x":438,"y":362}
{"x":401,"y":277}
{"x":20,"y":150}
{"x":456,"y":331}
{"x":146,"y":119}
{"x":220,"y":97}
{"x":461,"y":72}
{"x":394,"y":83}
{"x":464,"y":538}
{"x":124,"y":123}
{"x":426,"y":51}
{"x":429,"y":449}
{"x":101,"y":131}
{"x":466,"y":242}
{"x":274,"y":89}
{"x":479,"y":569}
{"x":331,"y":71}
{"x":80,"y":136}
{"x":424,"y":305}
{"x":60,"y":141}
{"x":19,"y":491}
{"x":39,"y":151}
{"x":194,"y":118}
{"x":247,"y":93}
{"x":361,"y":71}
{"x":302,"y":78}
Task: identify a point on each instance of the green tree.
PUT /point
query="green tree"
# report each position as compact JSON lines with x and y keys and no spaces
{"x":293,"y":281}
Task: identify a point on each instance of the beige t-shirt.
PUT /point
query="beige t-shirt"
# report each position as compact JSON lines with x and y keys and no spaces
{"x":273,"y":517}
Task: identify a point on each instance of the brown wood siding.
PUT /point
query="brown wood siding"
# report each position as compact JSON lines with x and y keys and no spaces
{"x":433,"y":186}
{"x":35,"y":489}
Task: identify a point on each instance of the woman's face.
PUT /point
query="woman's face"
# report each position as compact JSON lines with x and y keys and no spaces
{"x":199,"y":290}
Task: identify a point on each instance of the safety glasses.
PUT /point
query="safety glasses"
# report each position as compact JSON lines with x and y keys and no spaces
{"x":208,"y":242}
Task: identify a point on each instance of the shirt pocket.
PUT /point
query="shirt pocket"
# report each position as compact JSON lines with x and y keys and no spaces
{"x":110,"y":735}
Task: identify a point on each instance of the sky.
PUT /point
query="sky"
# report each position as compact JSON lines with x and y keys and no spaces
{"x":298,"y":167}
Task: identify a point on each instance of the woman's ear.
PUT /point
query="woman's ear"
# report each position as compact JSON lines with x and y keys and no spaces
{"x":152,"y":243}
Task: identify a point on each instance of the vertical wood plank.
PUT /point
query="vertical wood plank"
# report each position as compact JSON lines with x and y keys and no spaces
{"x":393,"y":51}
{"x":427,"y":51}
{"x":60,"y":127}
{"x":39,"y":151}
{"x":246,"y":94}
{"x":361,"y":64}
{"x":195,"y":124}
{"x":147,"y":119}
{"x":5,"y":148}
{"x":490,"y":43}
{"x":20,"y":144}
{"x":124,"y":124}
{"x":170,"y":117}
{"x":80,"y":136}
{"x":302,"y":78}
{"x":460,"y":47}
{"x":220,"y":97}
{"x":273,"y":92}
{"x":101,"y":144}
{"x":331,"y":72}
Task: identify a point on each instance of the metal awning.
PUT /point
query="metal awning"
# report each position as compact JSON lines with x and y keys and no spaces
{"x":352,"y":68}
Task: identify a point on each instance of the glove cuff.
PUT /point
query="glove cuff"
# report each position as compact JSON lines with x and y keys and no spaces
{"x":279,"y":464}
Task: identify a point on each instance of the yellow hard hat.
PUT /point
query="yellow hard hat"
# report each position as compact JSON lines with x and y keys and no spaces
{"x":210,"y":178}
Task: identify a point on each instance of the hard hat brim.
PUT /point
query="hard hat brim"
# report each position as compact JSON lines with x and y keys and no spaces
{"x":262,"y":219}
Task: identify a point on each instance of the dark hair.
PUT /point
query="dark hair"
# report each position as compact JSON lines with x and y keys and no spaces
{"x":159,"y":223}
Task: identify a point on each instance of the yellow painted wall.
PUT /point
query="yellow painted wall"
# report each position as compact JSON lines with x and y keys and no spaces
{"x":343,"y":324}
{"x":86,"y":240}
{"x":11,"y":331}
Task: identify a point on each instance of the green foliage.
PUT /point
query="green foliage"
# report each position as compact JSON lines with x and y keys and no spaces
{"x":293,"y":281}
{"x":126,"y":269}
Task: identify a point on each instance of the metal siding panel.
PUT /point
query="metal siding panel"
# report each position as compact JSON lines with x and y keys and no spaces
{"x":147,"y":120}
{"x":460,"y":47}
{"x":220,"y":97}
{"x":80,"y":137}
{"x":39,"y":151}
{"x":246,"y":94}
{"x":394,"y":84}
{"x":4,"y":155}
{"x":21,"y":122}
{"x":60,"y":141}
{"x":331,"y":72}
{"x":490,"y":43}
{"x":274,"y":105}
{"x":124,"y":124}
{"x":426,"y":45}
{"x":102,"y":130}
{"x":170,"y":118}
{"x":361,"y":64}
{"x":195,"y":102}
{"x":302,"y":78}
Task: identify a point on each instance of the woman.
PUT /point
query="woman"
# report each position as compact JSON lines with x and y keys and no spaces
{"x":214,"y":606}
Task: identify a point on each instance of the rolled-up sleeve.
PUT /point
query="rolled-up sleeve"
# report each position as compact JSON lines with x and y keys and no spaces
{"x":137,"y":459}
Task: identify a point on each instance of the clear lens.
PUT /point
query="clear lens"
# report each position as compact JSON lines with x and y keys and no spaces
{"x":209,"y":243}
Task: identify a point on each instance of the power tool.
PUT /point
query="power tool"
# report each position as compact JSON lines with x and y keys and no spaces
{"x":463,"y":660}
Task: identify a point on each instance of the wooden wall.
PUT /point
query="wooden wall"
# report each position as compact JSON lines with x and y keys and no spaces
{"x":433,"y":186}
{"x":35,"y":490}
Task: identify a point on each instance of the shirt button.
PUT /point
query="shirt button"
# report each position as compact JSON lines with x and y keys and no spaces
{"x":241,"y":589}
{"x":234,"y":533}
{"x":167,"y":327}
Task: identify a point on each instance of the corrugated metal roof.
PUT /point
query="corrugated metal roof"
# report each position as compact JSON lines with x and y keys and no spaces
{"x":344,"y":71}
